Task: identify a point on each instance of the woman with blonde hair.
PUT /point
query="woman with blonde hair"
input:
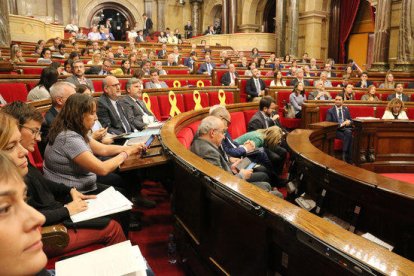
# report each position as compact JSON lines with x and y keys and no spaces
{"x":389,"y":81}
{"x":370,"y":95}
{"x":16,"y":54}
{"x":96,"y":59}
{"x":269,"y":138}
{"x":395,"y":110}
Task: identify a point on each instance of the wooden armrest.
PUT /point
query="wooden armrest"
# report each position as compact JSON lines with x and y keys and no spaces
{"x":55,"y":236}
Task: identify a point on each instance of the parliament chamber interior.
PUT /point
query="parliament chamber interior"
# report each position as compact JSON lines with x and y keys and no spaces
{"x":204,"y":137}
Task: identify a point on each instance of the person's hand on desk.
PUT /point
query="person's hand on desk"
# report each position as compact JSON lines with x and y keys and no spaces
{"x":135,"y":149}
{"x":346,"y":123}
{"x":246,"y":174}
{"x":249,"y":145}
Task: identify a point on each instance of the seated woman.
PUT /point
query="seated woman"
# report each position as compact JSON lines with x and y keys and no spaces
{"x":44,"y":194}
{"x":70,"y":154}
{"x":16,"y":54}
{"x":248,"y":72}
{"x":267,"y":138}
{"x":349,"y":73}
{"x":348,"y":92}
{"x":20,"y":237}
{"x":162,"y":38}
{"x":389,"y":81}
{"x":278,"y":79}
{"x":262,"y":63}
{"x":96,"y":59}
{"x":296,"y":99}
{"x":395,"y":110}
{"x":45,"y":56}
{"x":370,"y":95}
{"x":41,"y":91}
{"x":255,"y":53}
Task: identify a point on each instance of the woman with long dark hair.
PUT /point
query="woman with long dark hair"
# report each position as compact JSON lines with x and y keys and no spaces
{"x":48,"y":77}
{"x":297,"y":97}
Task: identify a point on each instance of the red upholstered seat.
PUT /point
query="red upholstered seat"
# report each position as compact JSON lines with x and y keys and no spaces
{"x":189,"y":103}
{"x":206,"y":82}
{"x":32,"y":70}
{"x":322,"y":112}
{"x":267,"y":82}
{"x":123,"y":83}
{"x":238,"y":124}
{"x":13,"y":92}
{"x":185,"y":136}
{"x":337,"y":144}
{"x":165,"y":105}
{"x":243,"y":94}
{"x":248,"y":114}
{"x":213,"y":98}
{"x":31,"y":85}
{"x":410,"y":113}
{"x":155,"y":107}
{"x":282,"y":99}
{"x":219,"y":75}
{"x":361,"y":111}
{"x":97,"y":85}
{"x":380,"y":111}
{"x":194,"y":126}
{"x":359,"y":94}
{"x":290,"y":123}
{"x":170,"y":82}
{"x":335,"y":83}
{"x":178,"y":71}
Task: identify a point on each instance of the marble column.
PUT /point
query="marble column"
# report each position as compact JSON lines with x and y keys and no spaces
{"x":225,"y":17}
{"x":382,"y":36}
{"x":13,"y":7}
{"x":148,"y":7}
{"x":294,"y":27}
{"x":405,"y":54}
{"x":161,"y":12}
{"x":232,"y":16}
{"x":4,"y":23}
{"x":74,"y":17}
{"x":195,"y":16}
{"x":58,"y":11}
{"x":280,"y":21}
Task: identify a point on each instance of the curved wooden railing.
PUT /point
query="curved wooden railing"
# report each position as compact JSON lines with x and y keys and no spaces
{"x":226,"y":225}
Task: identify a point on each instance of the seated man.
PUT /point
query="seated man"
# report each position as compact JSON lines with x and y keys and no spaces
{"x":106,"y":67}
{"x":170,"y":61}
{"x":324,"y":79}
{"x":110,"y":112}
{"x":263,"y":119}
{"x":299,"y":78}
{"x":120,"y":52}
{"x":320,"y":94}
{"x":189,"y":62}
{"x":399,"y":88}
{"x":340,"y":114}
{"x":364,"y":83}
{"x":207,"y":146}
{"x":78,"y":77}
{"x":155,"y":81}
{"x":255,"y":86}
{"x":328,"y":70}
{"x":229,"y":78}
{"x":134,"y":107}
{"x":207,"y":67}
{"x":163,"y":52}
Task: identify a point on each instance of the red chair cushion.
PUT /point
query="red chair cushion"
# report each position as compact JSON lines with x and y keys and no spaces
{"x":14,"y":92}
{"x":248,"y":114}
{"x":194,"y":126}
{"x":32,"y":70}
{"x":185,"y":136}
{"x":213,"y":97}
{"x":189,"y":103}
{"x":165,"y":105}
{"x":206,"y":82}
{"x":178,"y":71}
{"x":322,"y":112}
{"x":238,"y":124}
{"x":361,"y":111}
{"x":380,"y":111}
{"x":155,"y":107}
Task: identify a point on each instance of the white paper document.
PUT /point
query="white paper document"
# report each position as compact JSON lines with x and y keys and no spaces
{"x":372,"y":238}
{"x":107,"y":202}
{"x":114,"y":260}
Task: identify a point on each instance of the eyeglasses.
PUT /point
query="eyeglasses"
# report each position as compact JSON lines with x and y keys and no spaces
{"x":225,"y":119}
{"x":36,"y":132}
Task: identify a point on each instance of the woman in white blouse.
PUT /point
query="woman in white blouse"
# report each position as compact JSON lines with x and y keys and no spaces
{"x":278,"y":81}
{"x":395,"y":110}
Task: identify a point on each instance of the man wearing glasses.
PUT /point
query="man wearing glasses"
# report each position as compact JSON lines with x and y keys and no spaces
{"x":110,"y":112}
{"x":78,"y":77}
{"x":106,"y":68}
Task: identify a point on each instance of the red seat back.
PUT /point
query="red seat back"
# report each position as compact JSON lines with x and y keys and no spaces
{"x":185,"y":136}
{"x":322,"y":112}
{"x":14,"y":92}
{"x":380,"y":111}
{"x":238,"y":124}
{"x":165,"y":105}
{"x":214,"y":99}
{"x":189,"y":103}
{"x":32,"y":70}
{"x":361,"y":111}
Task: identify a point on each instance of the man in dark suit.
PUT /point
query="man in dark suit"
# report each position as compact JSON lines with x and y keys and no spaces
{"x":255,"y":86}
{"x":229,"y":78}
{"x":207,"y":67}
{"x":140,"y":37}
{"x":263,"y":119}
{"x":162,"y":54}
{"x":110,"y":112}
{"x":59,"y":93}
{"x":340,"y":114}
{"x":134,"y":107}
{"x":170,"y":61}
{"x":207,"y":145}
{"x":147,"y":24}
{"x":299,"y":78}
{"x":189,"y":62}
{"x":328,"y":69}
{"x":78,"y":77}
{"x":188,"y":30}
{"x":399,"y":88}
{"x":364,"y":83}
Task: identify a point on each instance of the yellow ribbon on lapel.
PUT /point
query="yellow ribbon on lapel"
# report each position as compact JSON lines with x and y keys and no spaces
{"x":147,"y":101}
{"x":200,"y":83}
{"x":197,"y":100}
{"x":222,"y":97}
{"x":173,"y":101}
{"x":176,"y":84}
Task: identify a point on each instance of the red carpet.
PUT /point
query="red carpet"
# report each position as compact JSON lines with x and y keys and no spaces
{"x":157,"y":226}
{"x":406,"y":177}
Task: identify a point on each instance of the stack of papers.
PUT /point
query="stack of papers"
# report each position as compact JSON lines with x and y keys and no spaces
{"x":108,"y":202}
{"x":117,"y":259}
{"x":145,"y":132}
{"x":155,"y":125}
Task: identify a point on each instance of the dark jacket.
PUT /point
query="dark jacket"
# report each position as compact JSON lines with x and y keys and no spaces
{"x":109,"y":118}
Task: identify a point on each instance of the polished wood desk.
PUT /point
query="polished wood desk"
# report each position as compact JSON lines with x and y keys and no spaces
{"x":225,"y":225}
{"x":138,"y":162}
{"x":384,"y":146}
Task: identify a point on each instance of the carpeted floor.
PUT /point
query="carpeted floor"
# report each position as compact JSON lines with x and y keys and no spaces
{"x":406,"y":177}
{"x":154,"y":236}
